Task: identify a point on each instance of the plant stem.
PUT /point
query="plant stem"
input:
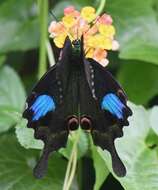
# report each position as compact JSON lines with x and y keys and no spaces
{"x":72,"y":174}
{"x":50,"y":54}
{"x":101,"y":7}
{"x":43,"y":17}
{"x":71,"y":168}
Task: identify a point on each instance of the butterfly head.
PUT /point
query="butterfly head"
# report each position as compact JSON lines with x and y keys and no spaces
{"x":76,"y":47}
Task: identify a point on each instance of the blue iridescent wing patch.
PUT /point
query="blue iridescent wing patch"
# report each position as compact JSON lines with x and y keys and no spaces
{"x":42,"y":105}
{"x":113,"y":104}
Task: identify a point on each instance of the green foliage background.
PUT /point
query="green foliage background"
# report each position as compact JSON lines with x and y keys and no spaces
{"x":136,"y":68}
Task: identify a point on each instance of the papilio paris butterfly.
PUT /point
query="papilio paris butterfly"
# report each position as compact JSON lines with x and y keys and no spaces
{"x":77,"y":92}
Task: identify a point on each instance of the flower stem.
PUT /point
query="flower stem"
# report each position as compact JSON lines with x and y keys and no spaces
{"x":101,"y":7}
{"x":50,"y":54}
{"x":71,"y":167}
{"x":72,"y":174}
{"x":43,"y":17}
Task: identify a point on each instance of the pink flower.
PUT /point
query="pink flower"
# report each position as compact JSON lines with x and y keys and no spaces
{"x":52,"y":26}
{"x":69,"y":10}
{"x":115,"y":45}
{"x":105,"y":19}
{"x":104,"y":62}
{"x":56,"y":28}
{"x":99,"y":54}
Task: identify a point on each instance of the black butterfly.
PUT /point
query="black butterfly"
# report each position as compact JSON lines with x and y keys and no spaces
{"x":77,"y":92}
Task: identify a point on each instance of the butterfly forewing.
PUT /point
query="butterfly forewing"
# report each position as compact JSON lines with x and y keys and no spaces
{"x":52,"y":101}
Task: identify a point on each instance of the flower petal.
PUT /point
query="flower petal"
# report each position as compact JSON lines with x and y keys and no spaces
{"x":69,"y":10}
{"x":59,"y":40}
{"x":68,"y":21}
{"x":106,"y":30}
{"x":88,"y":13}
{"x":105,"y":19}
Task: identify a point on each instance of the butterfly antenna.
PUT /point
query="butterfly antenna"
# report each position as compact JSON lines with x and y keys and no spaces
{"x":87,"y":51}
{"x":52,"y":14}
{"x":77,"y":31}
{"x":77,"y":34}
{"x":93,"y":23}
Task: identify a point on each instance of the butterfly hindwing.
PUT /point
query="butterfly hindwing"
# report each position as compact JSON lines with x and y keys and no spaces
{"x":106,"y":106}
{"x":48,"y":108}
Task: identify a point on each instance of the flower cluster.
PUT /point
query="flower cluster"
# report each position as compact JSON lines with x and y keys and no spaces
{"x":98,"y":32}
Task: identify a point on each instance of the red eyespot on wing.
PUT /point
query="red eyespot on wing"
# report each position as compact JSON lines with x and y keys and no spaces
{"x":86,"y":123}
{"x":72,"y":123}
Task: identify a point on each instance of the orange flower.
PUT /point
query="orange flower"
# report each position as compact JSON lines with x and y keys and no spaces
{"x":69,"y":10}
{"x":105,"y":19}
{"x":99,"y":54}
{"x":56,"y":28}
{"x":93,"y":30}
{"x":98,"y":32}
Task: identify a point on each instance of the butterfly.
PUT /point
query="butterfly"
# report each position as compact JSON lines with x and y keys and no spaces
{"x":77,"y":92}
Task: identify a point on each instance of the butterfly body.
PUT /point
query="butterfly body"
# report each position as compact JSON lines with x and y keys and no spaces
{"x":77,"y":91}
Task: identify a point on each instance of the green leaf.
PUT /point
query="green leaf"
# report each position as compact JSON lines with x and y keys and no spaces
{"x":154,"y":119}
{"x":16,"y":165}
{"x":139,"y":79}
{"x":155,"y":7}
{"x":26,"y":136}
{"x":7,"y":119}
{"x":140,"y":161}
{"x":101,"y":170}
{"x":152,"y":139}
{"x":82,"y":145}
{"x":12,"y":97}
{"x":18,"y":25}
{"x":12,"y":92}
{"x":137,"y":28}
{"x":2,"y":59}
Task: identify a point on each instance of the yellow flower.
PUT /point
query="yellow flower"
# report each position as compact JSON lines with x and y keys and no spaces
{"x":88,"y":13}
{"x":59,"y":40}
{"x":107,"y":44}
{"x":106,"y":30}
{"x":102,"y":42}
{"x":68,"y":21}
{"x":90,"y":52}
{"x":90,"y":42}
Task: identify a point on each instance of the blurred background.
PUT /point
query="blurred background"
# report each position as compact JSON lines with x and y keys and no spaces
{"x":23,"y":29}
